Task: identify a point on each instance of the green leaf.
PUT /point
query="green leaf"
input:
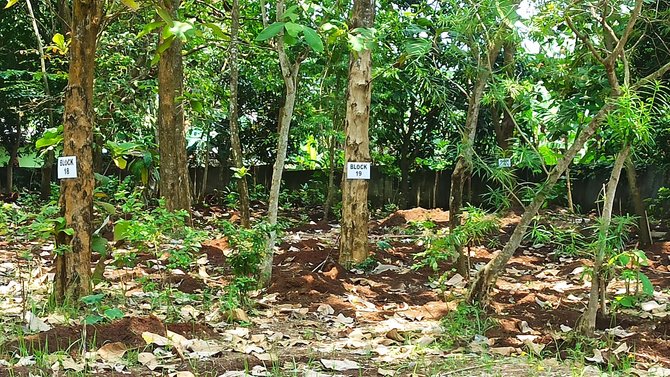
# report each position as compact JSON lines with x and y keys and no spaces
{"x":148,"y":28}
{"x":121,"y":229}
{"x":196,"y":105}
{"x":293,"y":29}
{"x":11,"y":3}
{"x":132,"y":4}
{"x":92,"y":299}
{"x":270,"y":31}
{"x":418,"y":47}
{"x":647,"y":287}
{"x":181,"y":30}
{"x":92,"y":319}
{"x":113,"y":313}
{"x":165,"y":45}
{"x":216,"y":30}
{"x":290,"y":13}
{"x":108,"y":207}
{"x":162,"y":13}
{"x":313,"y":39}
{"x":99,"y":244}
{"x":120,"y":162}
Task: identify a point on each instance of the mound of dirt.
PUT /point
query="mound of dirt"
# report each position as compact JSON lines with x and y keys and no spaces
{"x":71,"y":338}
{"x":404,"y":216}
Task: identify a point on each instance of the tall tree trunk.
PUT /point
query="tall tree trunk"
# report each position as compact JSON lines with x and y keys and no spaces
{"x":355,"y":215}
{"x":638,"y":203}
{"x":73,"y":265}
{"x":242,"y":187}
{"x":587,"y":323}
{"x":173,"y":162}
{"x":290,"y":75}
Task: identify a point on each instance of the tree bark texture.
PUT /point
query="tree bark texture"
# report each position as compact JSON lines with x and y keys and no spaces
{"x":242,"y":187}
{"x":289,"y":73}
{"x":355,"y":215}
{"x":73,"y":265}
{"x":173,"y":162}
{"x":587,"y":323}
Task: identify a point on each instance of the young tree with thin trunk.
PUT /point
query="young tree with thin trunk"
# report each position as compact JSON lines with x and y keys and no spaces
{"x":173,"y":164}
{"x":355,"y":215}
{"x":486,"y":278}
{"x":73,"y":261}
{"x":236,"y":146}
{"x":289,"y":72}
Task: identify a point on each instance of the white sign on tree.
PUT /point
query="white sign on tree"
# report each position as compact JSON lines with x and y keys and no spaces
{"x":67,"y":167}
{"x":358,"y":170}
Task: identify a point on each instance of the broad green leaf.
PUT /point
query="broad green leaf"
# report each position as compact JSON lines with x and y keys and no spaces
{"x":92,"y":299}
{"x":290,"y":40}
{"x":181,"y":29}
{"x":196,"y":105}
{"x":92,"y":319}
{"x":293,"y":29}
{"x":113,"y":313}
{"x":121,"y":229}
{"x":11,"y":3}
{"x":132,"y":4}
{"x":149,"y":28}
{"x":313,"y":39}
{"x":356,"y":42}
{"x":58,"y":39}
{"x":99,"y":244}
{"x":108,"y":207}
{"x":270,"y":31}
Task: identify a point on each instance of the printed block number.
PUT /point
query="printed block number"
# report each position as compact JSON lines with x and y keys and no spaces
{"x":67,"y":167}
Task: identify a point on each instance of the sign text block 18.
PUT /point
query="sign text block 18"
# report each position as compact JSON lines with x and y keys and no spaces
{"x":67,"y":167}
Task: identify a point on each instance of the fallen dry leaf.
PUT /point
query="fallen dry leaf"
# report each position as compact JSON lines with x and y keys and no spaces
{"x":340,"y":365}
{"x":148,"y":360}
{"x":156,"y":339}
{"x":112,"y":352}
{"x":395,"y":335}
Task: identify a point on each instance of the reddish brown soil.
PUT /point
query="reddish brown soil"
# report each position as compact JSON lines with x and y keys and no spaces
{"x":403,"y":217}
{"x":69,"y":338}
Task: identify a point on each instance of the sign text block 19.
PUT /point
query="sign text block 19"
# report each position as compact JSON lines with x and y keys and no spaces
{"x":358,"y":170}
{"x":67,"y":167}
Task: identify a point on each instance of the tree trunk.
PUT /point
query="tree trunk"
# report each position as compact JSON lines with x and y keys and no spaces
{"x":587,"y":323}
{"x":638,"y":203}
{"x":486,"y":277}
{"x":330,"y":193}
{"x":355,"y":216}
{"x":463,"y":167}
{"x":242,"y":187}
{"x":13,"y":161}
{"x":290,"y":75}
{"x":73,"y":264}
{"x":173,"y":162}
{"x":404,"y":181}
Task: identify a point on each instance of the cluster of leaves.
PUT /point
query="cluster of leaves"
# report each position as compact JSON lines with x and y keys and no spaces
{"x":464,"y":323}
{"x":444,"y":245}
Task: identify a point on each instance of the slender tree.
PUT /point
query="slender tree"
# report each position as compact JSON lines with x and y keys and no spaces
{"x":355,"y":215}
{"x":236,"y":146}
{"x":73,"y":263}
{"x":173,"y":163}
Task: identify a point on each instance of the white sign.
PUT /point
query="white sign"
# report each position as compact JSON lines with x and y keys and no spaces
{"x":504,"y":162}
{"x":67,"y":167}
{"x":358,"y":170}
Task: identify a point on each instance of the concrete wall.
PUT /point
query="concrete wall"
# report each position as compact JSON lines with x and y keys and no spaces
{"x":428,"y":189}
